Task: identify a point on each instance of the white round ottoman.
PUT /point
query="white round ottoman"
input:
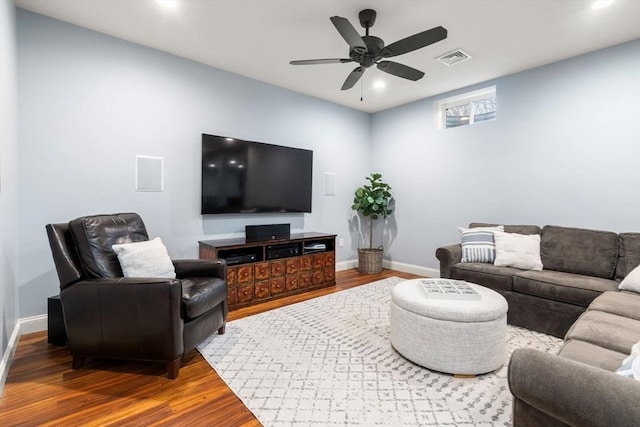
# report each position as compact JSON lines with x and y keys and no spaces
{"x":464,"y":337}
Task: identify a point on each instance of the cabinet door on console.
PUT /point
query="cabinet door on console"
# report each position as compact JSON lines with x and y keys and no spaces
{"x":305,"y":263}
{"x":317,"y":261}
{"x":232,"y":281}
{"x":262,"y":289}
{"x":330,"y":274}
{"x":305,"y":280}
{"x":231,"y":296}
{"x":291,"y":282}
{"x":317,"y":277}
{"x":277,"y":268}
{"x":329,"y":259}
{"x":262,"y":270}
{"x":245,"y":273}
{"x":277,"y":285}
{"x":293,"y":265}
{"x":245,"y":293}
{"x":232,"y":275}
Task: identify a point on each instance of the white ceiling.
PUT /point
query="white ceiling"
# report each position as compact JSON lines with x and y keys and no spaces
{"x":258,"y":38}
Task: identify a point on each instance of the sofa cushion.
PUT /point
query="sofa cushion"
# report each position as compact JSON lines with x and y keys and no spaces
{"x":629,"y":254}
{"x":606,"y":330}
{"x":580,"y":251}
{"x":95,"y":236}
{"x":592,"y":354}
{"x":201,"y":294}
{"x":519,"y":229}
{"x":497,"y":278}
{"x":625,"y":304}
{"x":565,"y":287}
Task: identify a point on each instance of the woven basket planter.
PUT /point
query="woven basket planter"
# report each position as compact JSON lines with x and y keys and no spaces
{"x":370,"y":260}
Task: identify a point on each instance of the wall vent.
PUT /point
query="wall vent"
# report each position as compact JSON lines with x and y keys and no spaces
{"x":455,"y":57}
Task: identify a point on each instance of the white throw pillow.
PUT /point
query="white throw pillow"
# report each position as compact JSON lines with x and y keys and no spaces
{"x":477,"y":243}
{"x":517,"y":250}
{"x":145,"y":259}
{"x":632,"y":281}
{"x":631,"y":365}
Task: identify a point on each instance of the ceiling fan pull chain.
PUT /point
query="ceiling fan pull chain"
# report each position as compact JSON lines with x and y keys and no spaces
{"x":361,"y":85}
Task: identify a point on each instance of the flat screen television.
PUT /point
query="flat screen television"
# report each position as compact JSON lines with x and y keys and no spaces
{"x":252,"y":177}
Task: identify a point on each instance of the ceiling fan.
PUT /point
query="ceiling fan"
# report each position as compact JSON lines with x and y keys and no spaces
{"x":369,"y":50}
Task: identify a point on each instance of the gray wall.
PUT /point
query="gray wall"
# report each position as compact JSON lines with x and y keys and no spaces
{"x":8,"y":176}
{"x":563,"y":150}
{"x":88,"y":103}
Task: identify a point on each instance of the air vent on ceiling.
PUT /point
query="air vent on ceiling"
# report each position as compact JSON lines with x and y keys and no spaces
{"x":455,"y":57}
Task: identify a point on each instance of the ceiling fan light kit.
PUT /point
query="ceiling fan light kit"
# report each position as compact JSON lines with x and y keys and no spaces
{"x":370,"y":50}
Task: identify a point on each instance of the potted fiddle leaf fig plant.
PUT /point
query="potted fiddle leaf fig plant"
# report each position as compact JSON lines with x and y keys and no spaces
{"x":372,"y":200}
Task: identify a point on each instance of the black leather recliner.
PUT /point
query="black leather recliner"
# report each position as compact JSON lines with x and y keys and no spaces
{"x":108,"y":315}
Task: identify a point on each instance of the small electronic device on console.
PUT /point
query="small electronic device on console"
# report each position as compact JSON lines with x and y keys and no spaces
{"x":261,"y":233}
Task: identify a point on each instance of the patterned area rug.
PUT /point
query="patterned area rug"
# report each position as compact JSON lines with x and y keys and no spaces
{"x":328,"y":362}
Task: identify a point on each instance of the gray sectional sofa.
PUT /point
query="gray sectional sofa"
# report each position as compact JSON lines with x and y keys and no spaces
{"x":582,"y":269}
{"x":578,"y":387}
{"x":579,"y":265}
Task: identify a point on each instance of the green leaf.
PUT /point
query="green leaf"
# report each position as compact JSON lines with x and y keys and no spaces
{"x":373,"y":198}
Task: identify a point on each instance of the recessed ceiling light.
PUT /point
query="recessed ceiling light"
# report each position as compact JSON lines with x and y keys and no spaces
{"x":230,"y":139}
{"x":232,"y":162}
{"x":379,"y":84}
{"x":601,"y":4}
{"x":212,"y":165}
{"x":168,"y":4}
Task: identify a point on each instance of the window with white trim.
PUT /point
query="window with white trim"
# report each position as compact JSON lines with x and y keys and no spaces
{"x":466,"y":109}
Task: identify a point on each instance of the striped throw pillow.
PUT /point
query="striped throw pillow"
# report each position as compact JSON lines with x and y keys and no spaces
{"x":478,"y":244}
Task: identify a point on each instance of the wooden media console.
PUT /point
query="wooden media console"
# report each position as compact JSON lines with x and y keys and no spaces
{"x":262,"y":271}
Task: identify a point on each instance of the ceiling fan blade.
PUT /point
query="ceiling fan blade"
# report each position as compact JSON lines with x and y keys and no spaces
{"x":321,"y":61}
{"x":353,"y":78}
{"x":415,"y":42}
{"x":400,"y":70}
{"x":349,"y":34}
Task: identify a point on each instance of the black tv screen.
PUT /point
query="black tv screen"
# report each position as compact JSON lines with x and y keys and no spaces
{"x":252,"y":177}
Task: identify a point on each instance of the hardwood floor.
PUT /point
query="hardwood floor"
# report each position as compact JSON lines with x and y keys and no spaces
{"x":42,"y":389}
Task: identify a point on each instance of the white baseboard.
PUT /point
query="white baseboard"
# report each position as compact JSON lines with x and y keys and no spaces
{"x":393,"y":265}
{"x":411,"y":268}
{"x":29,"y":325}
{"x":24,"y":326}
{"x":12,"y":345}
{"x":346,"y":265}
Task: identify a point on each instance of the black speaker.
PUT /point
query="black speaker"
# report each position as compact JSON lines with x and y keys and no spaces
{"x":261,"y":233}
